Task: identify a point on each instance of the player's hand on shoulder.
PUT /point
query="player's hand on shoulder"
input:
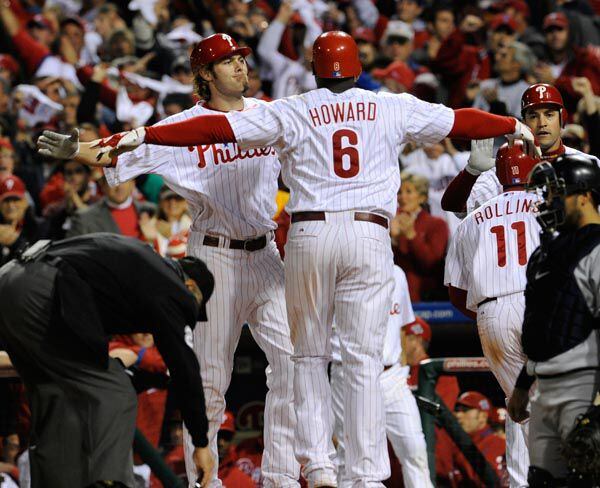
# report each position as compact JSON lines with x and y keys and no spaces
{"x":58,"y":146}
{"x":482,"y":156}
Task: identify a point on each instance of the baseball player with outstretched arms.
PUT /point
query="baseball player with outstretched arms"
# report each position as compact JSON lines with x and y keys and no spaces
{"x":231,"y":194}
{"x":339,"y":148}
{"x":402,"y":419}
{"x":485,"y":271}
{"x":543,"y":112}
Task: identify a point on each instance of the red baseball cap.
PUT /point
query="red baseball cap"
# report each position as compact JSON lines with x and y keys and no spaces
{"x":9,"y":63}
{"x":364,"y":34}
{"x":555,"y":19}
{"x":503,"y":20}
{"x":398,"y":71}
{"x":228,"y":422}
{"x":474,"y":399}
{"x":419,"y":328}
{"x":518,"y":5}
{"x":214,"y":48}
{"x":11,"y":186}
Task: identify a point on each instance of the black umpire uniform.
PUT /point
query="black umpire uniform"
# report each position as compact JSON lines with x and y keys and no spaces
{"x":57,"y":309}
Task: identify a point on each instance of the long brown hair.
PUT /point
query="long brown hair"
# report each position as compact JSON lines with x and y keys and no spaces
{"x":201,"y":85}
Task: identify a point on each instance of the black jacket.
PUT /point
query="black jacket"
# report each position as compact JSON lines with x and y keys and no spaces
{"x":109,"y":284}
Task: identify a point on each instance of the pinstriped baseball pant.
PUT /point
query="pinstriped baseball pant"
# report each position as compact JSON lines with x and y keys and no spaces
{"x":499,"y":324}
{"x":403,"y":426}
{"x":249,"y":287}
{"x":342,"y":266}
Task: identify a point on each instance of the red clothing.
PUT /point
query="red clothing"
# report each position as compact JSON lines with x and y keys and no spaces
{"x":31,"y":52}
{"x":422,"y":258}
{"x":108,"y":95}
{"x":231,"y":475}
{"x":459,"y":63}
{"x":585,"y":62}
{"x":175,"y":459}
{"x":453,"y":468}
{"x":249,"y":457}
{"x":127,"y":221}
{"x":53,"y":190}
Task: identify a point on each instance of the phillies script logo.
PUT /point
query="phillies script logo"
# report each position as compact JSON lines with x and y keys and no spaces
{"x":228,"y":153}
{"x":395,"y":309}
{"x":541,"y":90}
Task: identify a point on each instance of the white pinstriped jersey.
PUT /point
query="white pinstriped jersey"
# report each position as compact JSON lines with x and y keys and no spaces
{"x":487,"y":185}
{"x":489,"y":251}
{"x":340,"y":151}
{"x":401,"y":314}
{"x":231,"y":192}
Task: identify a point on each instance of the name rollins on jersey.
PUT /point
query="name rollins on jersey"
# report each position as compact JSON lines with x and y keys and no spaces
{"x":333,"y":113}
{"x":228,"y":153}
{"x":499,"y":210}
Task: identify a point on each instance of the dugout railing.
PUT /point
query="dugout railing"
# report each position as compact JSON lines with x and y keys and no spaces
{"x":434,"y":412}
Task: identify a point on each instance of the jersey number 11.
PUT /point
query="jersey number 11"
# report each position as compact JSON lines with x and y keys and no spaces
{"x":499,"y":231}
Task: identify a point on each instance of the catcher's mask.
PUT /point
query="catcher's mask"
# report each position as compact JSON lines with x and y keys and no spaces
{"x":552,"y":191}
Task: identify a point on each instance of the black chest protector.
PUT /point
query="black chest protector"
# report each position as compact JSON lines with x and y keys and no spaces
{"x":557,"y":317}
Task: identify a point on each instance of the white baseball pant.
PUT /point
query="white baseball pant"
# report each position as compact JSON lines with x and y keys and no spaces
{"x":249,"y":287}
{"x":402,"y":423}
{"x":344,"y":266}
{"x":499,"y":323}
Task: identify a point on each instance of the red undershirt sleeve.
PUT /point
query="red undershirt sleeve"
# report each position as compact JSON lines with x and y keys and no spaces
{"x":472,"y":123}
{"x":204,"y":129}
{"x":456,"y":195}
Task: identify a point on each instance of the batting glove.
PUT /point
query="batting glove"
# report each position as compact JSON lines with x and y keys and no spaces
{"x":58,"y":146}
{"x":524,"y":133}
{"x":481,"y":158}
{"x":125,"y":142}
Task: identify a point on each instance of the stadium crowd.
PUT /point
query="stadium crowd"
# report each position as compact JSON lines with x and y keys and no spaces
{"x":107,"y":67}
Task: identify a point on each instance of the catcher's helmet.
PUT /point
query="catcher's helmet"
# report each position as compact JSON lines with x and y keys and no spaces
{"x":513,"y":164}
{"x":335,"y":55}
{"x":568,"y":175}
{"x":214,"y":48}
{"x":542,"y":94}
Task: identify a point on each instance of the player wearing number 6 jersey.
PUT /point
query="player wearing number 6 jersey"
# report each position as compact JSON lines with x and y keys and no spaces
{"x":339,"y":149}
{"x":487,"y":259}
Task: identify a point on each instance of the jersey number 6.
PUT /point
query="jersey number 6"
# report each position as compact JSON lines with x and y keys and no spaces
{"x":352,"y":160}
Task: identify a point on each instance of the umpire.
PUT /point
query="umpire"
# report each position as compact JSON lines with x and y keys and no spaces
{"x":58,"y":304}
{"x":562,"y":317}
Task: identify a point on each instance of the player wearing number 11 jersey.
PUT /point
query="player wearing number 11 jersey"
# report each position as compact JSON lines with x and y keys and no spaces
{"x":339,"y":148}
{"x":487,"y":258}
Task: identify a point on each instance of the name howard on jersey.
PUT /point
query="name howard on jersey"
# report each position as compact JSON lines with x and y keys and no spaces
{"x":334,"y":113}
{"x":228,"y":153}
{"x":498,"y":209}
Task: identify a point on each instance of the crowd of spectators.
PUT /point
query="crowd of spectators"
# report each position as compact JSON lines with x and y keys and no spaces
{"x":105,"y":67}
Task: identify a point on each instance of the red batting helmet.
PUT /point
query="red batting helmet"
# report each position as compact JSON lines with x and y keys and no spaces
{"x":541,"y":94}
{"x":513,"y":164}
{"x":215,"y":47}
{"x":335,"y":55}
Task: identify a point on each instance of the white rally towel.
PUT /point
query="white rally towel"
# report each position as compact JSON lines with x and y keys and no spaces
{"x":37,"y":107}
{"x":137,"y":114}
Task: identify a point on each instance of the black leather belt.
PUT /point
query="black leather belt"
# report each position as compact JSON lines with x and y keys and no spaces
{"x":360,"y":216}
{"x":249,"y":245}
{"x":487,"y":300}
